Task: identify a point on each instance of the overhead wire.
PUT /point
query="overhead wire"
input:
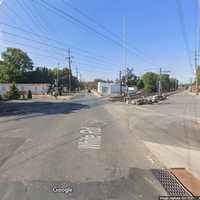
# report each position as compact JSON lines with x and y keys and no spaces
{"x":94,"y":62}
{"x":91,"y":19}
{"x":59,"y":48}
{"x":77,"y":49}
{"x":27,"y":11}
{"x":17,"y":15}
{"x":198,"y":27}
{"x":36,"y":54}
{"x":137,"y":52}
{"x":33,"y":39}
{"x":184,"y":34}
{"x":81,"y":23}
{"x":84,"y":26}
{"x":35,"y":16}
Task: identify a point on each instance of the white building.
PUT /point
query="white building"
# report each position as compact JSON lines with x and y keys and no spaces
{"x":110,"y":88}
{"x":40,"y":88}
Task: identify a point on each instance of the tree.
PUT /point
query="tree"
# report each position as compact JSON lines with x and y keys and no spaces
{"x":17,"y":58}
{"x":150,"y":81}
{"x":3,"y":72}
{"x":13,"y":93}
{"x":129,"y":78}
{"x":140,"y":84}
{"x":165,"y":81}
{"x":39,"y":75}
{"x":29,"y":96}
{"x":198,"y":74}
{"x":173,"y":84}
{"x":14,"y":63}
{"x":17,"y":66}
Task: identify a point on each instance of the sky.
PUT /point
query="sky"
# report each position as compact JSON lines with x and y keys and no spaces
{"x":93,"y":30}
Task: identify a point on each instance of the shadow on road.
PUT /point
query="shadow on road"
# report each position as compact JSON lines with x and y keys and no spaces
{"x":139,"y":184}
{"x":40,"y":108}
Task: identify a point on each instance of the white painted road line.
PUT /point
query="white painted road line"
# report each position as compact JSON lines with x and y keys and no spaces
{"x":90,"y":130}
{"x":92,"y":139}
{"x":89,"y":142}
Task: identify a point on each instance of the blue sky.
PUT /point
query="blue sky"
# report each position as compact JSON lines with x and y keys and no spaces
{"x":153,"y":33}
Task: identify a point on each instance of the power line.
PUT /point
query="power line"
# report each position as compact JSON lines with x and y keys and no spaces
{"x":60,"y":49}
{"x":197,"y":51}
{"x":28,"y":12}
{"x":96,"y":60}
{"x":90,"y":62}
{"x":39,"y":55}
{"x":30,"y":46}
{"x":184,"y":34}
{"x":108,"y":38}
{"x":91,"y":19}
{"x":136,"y":50}
{"x":82,"y":51}
{"x":24,"y":8}
{"x":36,"y":16}
{"x":124,"y":43}
{"x":17,"y":15}
{"x":92,"y":68}
{"x":83,"y":61}
{"x":33,"y":40}
{"x":198,"y":27}
{"x":83,"y":25}
{"x":72,"y":19}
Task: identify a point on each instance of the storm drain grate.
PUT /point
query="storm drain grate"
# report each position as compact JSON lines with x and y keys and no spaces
{"x":170,"y":183}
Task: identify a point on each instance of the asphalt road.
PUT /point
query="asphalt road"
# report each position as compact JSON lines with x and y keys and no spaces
{"x":90,"y":148}
{"x":172,"y":130}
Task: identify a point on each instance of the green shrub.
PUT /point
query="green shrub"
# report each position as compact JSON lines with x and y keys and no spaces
{"x":13,"y":93}
{"x":29,"y":96}
{"x":140,"y":84}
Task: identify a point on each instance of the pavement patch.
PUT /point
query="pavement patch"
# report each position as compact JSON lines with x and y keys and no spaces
{"x":8,"y":145}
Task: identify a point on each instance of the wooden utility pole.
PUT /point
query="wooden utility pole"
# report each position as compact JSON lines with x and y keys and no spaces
{"x":77,"y":78}
{"x":70,"y":71}
{"x":124,"y":55}
{"x":196,"y":72}
{"x":57,"y":78}
{"x":120,"y":79}
{"x":77,"y":72}
{"x":160,"y":82}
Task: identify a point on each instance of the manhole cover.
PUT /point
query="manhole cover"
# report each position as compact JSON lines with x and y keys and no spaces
{"x":170,"y":183}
